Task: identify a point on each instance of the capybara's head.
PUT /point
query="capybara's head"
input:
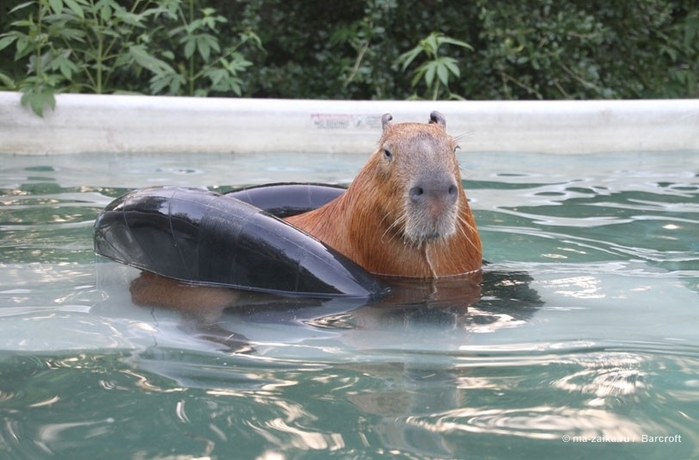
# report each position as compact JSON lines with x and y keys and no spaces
{"x":416,"y":178}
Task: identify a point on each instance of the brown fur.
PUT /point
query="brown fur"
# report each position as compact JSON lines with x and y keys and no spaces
{"x":375,"y":223}
{"x":366,"y":223}
{"x":154,"y":290}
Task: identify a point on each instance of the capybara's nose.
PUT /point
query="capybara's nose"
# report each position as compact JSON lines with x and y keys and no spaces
{"x":441,"y":191}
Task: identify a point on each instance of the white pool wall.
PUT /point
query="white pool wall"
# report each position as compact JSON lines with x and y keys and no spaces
{"x":146,"y":124}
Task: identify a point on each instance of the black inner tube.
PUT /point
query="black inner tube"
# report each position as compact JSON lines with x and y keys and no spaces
{"x":288,"y":199}
{"x":204,"y":237}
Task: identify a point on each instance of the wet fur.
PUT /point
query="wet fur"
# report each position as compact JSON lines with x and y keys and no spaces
{"x":374,"y":222}
{"x":371,"y":222}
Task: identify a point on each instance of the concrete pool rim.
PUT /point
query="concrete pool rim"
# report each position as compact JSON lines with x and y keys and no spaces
{"x":149,"y":124}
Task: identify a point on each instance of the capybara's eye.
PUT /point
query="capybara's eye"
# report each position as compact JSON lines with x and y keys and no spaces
{"x":387,"y":154}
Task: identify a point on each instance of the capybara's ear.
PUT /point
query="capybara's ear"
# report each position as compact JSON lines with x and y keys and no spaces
{"x":385,"y":120}
{"x":438,"y":118}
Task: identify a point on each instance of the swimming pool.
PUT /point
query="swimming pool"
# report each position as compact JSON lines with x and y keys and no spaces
{"x":585,"y":342}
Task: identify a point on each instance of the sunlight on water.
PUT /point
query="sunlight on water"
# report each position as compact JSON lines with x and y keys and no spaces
{"x":581,"y":340}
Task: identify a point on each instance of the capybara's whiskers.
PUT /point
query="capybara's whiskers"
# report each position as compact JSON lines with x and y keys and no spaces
{"x":462,"y":136}
{"x":398,"y":224}
{"x":408,"y":198}
{"x":405,"y":215}
{"x":469,"y":227}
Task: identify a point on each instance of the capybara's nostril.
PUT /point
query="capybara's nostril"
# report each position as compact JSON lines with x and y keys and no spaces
{"x":453,"y":190}
{"x":416,"y":193}
{"x":434,"y":191}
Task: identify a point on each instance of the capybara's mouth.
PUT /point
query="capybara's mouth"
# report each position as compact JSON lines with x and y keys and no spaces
{"x":429,"y":221}
{"x":429,"y":232}
{"x":429,"y":237}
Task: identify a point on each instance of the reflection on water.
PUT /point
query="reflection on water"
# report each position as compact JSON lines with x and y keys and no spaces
{"x":579,"y":340}
{"x":221,"y":406}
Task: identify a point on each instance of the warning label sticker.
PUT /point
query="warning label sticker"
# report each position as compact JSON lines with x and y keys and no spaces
{"x":345,"y":121}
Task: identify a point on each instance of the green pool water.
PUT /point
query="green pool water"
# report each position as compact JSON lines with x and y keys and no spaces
{"x":583,"y":344}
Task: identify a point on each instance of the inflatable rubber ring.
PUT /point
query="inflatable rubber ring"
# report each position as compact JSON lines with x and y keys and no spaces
{"x":286,"y":199}
{"x":204,"y":237}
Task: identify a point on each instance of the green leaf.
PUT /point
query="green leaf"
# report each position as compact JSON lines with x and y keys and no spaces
{"x":38,"y":98}
{"x":169,"y":79}
{"x":56,"y":6}
{"x":408,"y":57}
{"x":443,"y":74}
{"x":147,"y":61}
{"x":209,"y":22}
{"x":6,"y":41}
{"x":23,"y":47}
{"x":20,"y":6}
{"x":72,"y":34}
{"x":189,"y":47}
{"x":106,"y":12}
{"x":64,"y":65}
{"x":452,"y":41}
{"x":128,"y":18}
{"x":75,"y":8}
{"x":418,"y":76}
{"x":159,"y":82}
{"x":176,"y":31}
{"x":237,"y":64}
{"x":431,"y":42}
{"x":235,"y":87}
{"x":204,"y":48}
{"x":249,"y":36}
{"x":430,"y":70}
{"x":194,"y":26}
{"x":205,"y":43}
{"x":7,"y":82}
{"x":216,"y":76}
{"x":25,"y":23}
{"x":167,"y":9}
{"x":450,"y":63}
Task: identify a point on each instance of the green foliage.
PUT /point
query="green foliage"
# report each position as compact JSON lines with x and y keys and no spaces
{"x":196,"y":64}
{"x":351,"y":49}
{"x":550,"y":52}
{"x":530,"y":49}
{"x":362,"y":35}
{"x":100,"y":46}
{"x":442,"y":67}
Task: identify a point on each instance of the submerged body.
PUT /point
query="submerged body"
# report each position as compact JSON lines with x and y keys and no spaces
{"x":404,"y":215}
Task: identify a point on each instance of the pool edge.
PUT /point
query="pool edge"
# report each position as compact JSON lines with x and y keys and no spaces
{"x":118,"y":123}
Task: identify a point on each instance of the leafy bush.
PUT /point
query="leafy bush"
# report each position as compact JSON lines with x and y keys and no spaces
{"x":436,"y":65}
{"x":350,"y":49}
{"x":546,"y":49}
{"x":156,"y":47}
{"x":530,"y":49}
